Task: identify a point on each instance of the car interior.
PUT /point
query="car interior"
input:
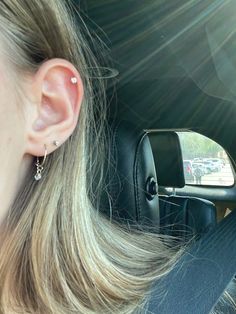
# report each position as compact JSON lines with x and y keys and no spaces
{"x":161,"y":91}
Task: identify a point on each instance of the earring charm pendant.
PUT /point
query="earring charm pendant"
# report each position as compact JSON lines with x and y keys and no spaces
{"x":40,"y":167}
{"x":38,"y":175}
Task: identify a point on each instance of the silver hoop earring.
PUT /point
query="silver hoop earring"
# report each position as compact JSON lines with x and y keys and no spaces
{"x":40,"y":167}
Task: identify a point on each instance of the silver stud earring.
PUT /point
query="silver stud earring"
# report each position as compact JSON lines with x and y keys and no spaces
{"x":40,"y":167}
{"x":74,"y":80}
{"x":56,"y":143}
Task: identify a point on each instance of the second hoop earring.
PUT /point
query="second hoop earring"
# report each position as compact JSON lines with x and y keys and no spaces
{"x":40,"y":167}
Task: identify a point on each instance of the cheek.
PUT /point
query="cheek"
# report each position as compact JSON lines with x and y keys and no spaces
{"x":11,"y":119}
{"x":11,"y":122}
{"x":8,"y":121}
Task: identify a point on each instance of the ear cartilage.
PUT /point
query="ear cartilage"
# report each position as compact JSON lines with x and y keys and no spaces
{"x":74,"y":80}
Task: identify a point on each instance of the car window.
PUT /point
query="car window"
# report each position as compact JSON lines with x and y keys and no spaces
{"x":205,"y":162}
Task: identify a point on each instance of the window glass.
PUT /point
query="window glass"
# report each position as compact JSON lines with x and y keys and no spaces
{"x":205,"y":162}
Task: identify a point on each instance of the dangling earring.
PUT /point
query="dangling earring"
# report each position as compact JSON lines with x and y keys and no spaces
{"x":38,"y":175}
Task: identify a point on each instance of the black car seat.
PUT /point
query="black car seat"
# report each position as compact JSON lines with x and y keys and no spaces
{"x":131,"y":193}
{"x":132,"y":188}
{"x":182,"y":216}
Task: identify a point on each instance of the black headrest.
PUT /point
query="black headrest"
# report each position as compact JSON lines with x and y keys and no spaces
{"x":131,"y":180}
{"x":168,"y":158}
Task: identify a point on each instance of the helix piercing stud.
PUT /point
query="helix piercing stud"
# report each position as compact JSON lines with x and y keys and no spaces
{"x":74,"y":80}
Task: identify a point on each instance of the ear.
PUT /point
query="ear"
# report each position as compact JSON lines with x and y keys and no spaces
{"x":57,"y":93}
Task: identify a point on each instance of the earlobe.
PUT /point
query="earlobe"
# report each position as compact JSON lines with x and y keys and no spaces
{"x":59,"y":100}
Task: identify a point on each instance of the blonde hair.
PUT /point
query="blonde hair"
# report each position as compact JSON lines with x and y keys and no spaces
{"x":60,"y":255}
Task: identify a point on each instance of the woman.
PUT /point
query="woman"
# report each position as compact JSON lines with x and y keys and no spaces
{"x":58,"y":254}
